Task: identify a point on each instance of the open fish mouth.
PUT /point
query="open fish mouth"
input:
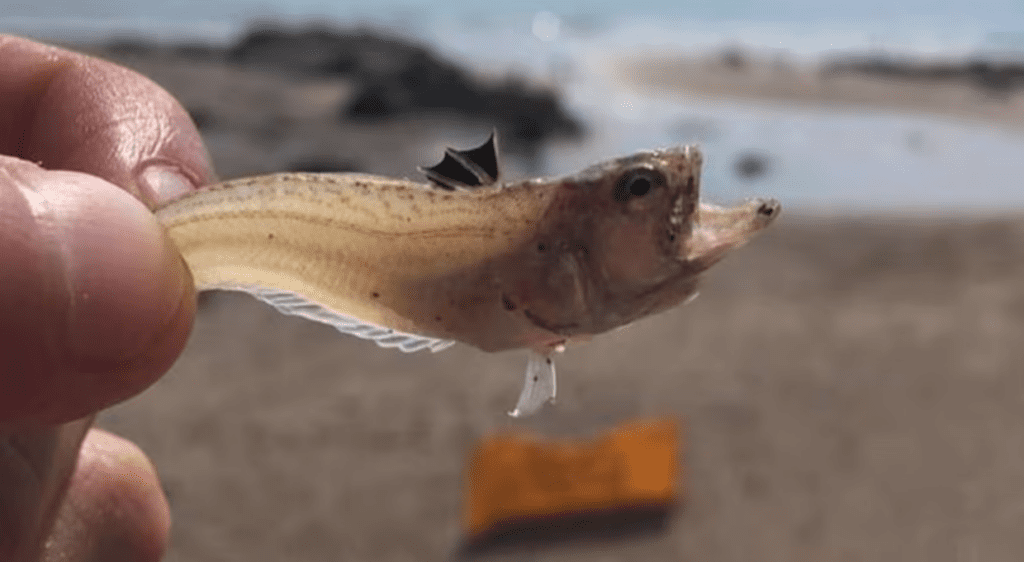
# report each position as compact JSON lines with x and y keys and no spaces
{"x":715,"y":231}
{"x":768,"y":210}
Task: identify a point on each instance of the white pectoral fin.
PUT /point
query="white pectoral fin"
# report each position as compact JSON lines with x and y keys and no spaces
{"x":539,"y":388}
{"x":287,"y":302}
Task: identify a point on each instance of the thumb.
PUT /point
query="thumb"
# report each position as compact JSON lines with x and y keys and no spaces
{"x":95,"y":302}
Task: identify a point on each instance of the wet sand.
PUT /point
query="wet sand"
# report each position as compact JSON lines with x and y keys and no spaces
{"x":788,"y":81}
{"x":851,"y":389}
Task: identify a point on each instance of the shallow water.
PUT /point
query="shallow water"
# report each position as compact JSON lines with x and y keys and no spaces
{"x":823,"y":160}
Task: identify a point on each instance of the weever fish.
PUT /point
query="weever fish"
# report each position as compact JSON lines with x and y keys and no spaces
{"x":467,"y":257}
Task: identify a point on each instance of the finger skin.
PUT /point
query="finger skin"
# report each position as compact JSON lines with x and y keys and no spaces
{"x":95,"y":301}
{"x":35,"y":464}
{"x":115,"y":509}
{"x":68,"y":111}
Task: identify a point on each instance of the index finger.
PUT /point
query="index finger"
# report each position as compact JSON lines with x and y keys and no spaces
{"x":68,"y":111}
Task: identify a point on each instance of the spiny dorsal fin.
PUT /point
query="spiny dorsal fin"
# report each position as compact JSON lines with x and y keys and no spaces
{"x":467,"y":169}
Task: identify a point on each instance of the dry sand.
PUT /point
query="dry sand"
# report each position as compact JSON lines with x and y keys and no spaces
{"x":851,"y":388}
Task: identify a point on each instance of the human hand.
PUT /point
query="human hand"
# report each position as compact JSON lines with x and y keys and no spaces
{"x":95,"y":302}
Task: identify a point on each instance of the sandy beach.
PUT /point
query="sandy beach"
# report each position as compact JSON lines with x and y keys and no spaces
{"x":850,"y":386}
{"x":743,"y":76}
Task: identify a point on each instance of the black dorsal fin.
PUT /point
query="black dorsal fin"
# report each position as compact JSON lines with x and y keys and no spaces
{"x":485,"y":158}
{"x":467,"y":169}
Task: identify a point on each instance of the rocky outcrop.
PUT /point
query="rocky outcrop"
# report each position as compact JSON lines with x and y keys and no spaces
{"x":395,"y":78}
{"x":993,"y":75}
{"x":392,"y":78}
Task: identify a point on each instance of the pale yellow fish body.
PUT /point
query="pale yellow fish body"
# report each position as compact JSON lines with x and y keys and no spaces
{"x":530,"y":264}
{"x":389,"y":252}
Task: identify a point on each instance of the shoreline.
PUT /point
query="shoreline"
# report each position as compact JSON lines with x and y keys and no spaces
{"x":261,"y":110}
{"x":847,"y":381}
{"x":834,"y":83}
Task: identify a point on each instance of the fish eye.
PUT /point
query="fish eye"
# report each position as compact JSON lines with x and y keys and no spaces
{"x":637,"y":183}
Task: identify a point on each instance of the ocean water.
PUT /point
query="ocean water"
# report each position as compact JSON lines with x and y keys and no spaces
{"x":833,"y":161}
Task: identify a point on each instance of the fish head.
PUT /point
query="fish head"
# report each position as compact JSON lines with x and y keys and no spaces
{"x":629,"y":237}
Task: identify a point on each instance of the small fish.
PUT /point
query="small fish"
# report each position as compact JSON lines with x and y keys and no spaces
{"x":467,"y":257}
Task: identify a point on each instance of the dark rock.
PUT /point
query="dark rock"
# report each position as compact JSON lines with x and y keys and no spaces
{"x":997,"y":77}
{"x":751,"y":166}
{"x":1001,"y":77}
{"x":322,"y":51}
{"x":395,"y":79}
{"x":734,"y":59}
{"x":308,"y":51}
{"x":524,"y":117}
{"x":375,"y":102}
{"x":391,"y":79}
{"x":198,"y":52}
{"x":130,"y":46}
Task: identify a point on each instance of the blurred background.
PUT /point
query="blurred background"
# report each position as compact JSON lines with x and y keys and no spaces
{"x":849,"y":383}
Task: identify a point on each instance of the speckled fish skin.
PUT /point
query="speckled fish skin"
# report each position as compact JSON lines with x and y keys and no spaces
{"x":529,"y":264}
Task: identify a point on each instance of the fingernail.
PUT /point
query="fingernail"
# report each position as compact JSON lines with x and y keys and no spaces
{"x":162,"y":182}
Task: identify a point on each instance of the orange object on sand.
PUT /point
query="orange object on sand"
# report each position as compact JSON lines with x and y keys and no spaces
{"x":513,"y":478}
